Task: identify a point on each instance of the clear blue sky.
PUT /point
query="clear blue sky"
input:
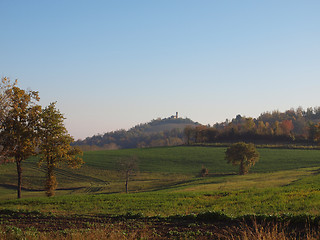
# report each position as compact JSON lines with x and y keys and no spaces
{"x":114,"y":64}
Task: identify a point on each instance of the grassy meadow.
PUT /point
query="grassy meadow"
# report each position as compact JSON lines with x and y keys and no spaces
{"x":278,"y":199}
{"x":284,"y":181}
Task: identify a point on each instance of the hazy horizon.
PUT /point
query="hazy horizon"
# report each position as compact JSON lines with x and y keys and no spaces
{"x":114,"y":64}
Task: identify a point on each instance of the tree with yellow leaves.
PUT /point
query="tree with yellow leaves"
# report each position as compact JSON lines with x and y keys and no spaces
{"x":5,"y":86}
{"x":55,"y":148}
{"x":242,"y":154}
{"x":19,"y":125}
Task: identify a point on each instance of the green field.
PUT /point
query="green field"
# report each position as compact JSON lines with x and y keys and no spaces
{"x":282,"y":182}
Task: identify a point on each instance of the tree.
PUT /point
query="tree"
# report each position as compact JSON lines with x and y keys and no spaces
{"x":128,"y":167}
{"x":314,"y":132}
{"x":204,"y":171}
{"x":19,"y":136}
{"x":242,"y":154}
{"x":5,"y":86}
{"x":287,"y":127}
{"x":248,"y":125}
{"x":261,"y":129}
{"x":200,"y":134}
{"x":55,"y":146}
{"x":188,"y":132}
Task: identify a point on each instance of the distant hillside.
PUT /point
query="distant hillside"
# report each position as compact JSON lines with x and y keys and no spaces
{"x":158,"y":132}
{"x":294,"y":126}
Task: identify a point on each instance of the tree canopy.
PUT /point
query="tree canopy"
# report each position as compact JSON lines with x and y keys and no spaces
{"x":5,"y":86}
{"x":19,"y":127}
{"x":292,"y":126}
{"x":55,"y":146}
{"x":242,"y":154}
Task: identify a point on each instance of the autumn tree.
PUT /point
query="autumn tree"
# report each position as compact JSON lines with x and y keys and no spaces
{"x":248,"y":125}
{"x":55,"y":148}
{"x":287,"y":127}
{"x":212,"y":134}
{"x":188,"y":132}
{"x":128,"y":167}
{"x":314,"y":132}
{"x":261,"y":128}
{"x":242,"y":154}
{"x":5,"y":86}
{"x":201,"y":134}
{"x":19,"y":125}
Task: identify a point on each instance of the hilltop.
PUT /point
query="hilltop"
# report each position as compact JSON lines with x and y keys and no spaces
{"x":292,"y":126}
{"x":157,"y":132}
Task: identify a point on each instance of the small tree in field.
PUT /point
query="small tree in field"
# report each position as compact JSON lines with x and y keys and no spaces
{"x":204,"y":171}
{"x":127,"y":168}
{"x":55,"y":146}
{"x":242,"y":154}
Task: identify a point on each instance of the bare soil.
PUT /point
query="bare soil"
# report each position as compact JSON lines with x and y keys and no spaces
{"x":162,"y":228}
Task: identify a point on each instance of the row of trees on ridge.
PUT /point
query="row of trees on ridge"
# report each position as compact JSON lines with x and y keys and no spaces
{"x":291,"y":126}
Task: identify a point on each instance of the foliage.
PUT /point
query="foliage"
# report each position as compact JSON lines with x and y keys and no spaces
{"x":188,"y":132}
{"x":5,"y":96}
{"x":292,"y":126}
{"x":23,"y":124}
{"x":159,"y":132}
{"x":19,"y":136}
{"x":242,"y":154}
{"x":55,"y":146}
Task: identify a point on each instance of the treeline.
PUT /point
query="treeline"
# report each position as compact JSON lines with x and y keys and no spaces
{"x":292,"y":126}
{"x":158,"y":132}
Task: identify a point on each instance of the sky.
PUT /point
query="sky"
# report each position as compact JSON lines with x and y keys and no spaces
{"x":113,"y":64}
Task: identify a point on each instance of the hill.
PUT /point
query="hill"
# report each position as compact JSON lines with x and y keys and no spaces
{"x":158,"y":132}
{"x":294,"y":126}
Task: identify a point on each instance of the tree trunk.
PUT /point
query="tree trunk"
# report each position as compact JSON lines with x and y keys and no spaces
{"x":51,"y":181}
{"x":19,"y":171}
{"x":127,"y":181}
{"x":242,"y":170}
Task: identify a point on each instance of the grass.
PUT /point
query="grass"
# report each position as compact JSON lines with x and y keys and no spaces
{"x":283,"y":187}
{"x":284,"y":181}
{"x":295,"y":192}
{"x":160,"y":168}
{"x":189,"y":159}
